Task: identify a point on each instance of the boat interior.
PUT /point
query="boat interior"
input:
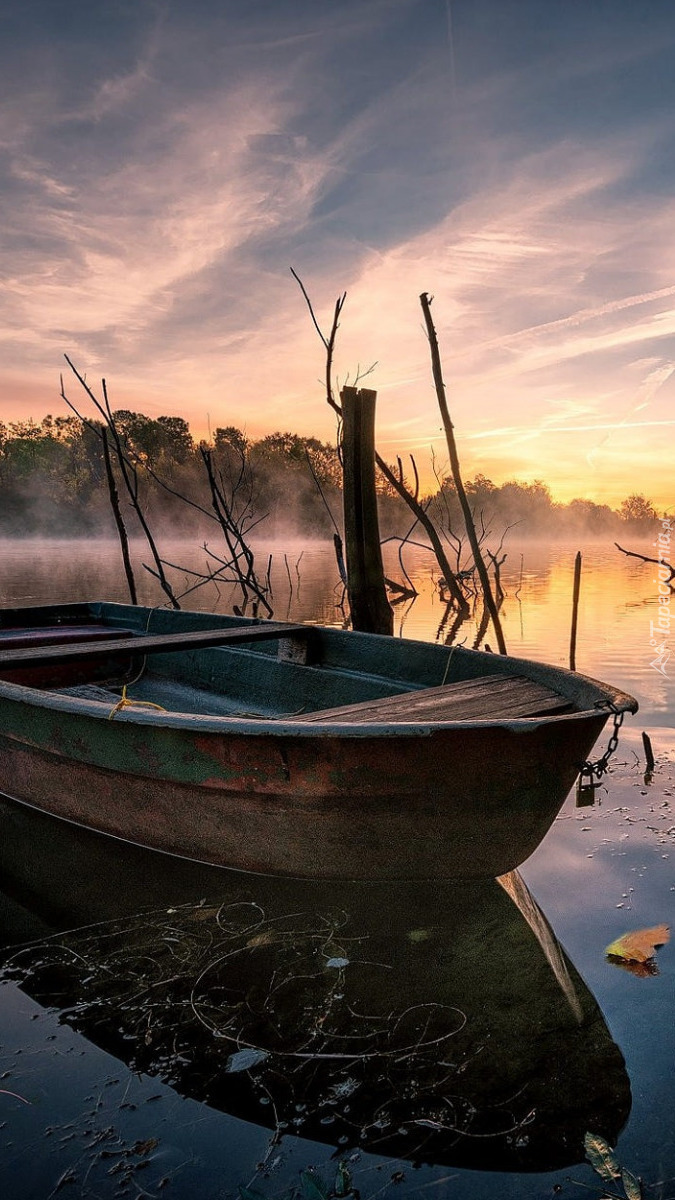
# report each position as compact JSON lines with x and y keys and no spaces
{"x":201,"y":664}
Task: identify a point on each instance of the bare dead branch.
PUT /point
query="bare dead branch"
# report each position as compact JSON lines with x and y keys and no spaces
{"x":427,"y":524}
{"x":320,"y":490}
{"x":340,"y":559}
{"x":437,"y":372}
{"x":497,"y":562}
{"x":128,"y":472}
{"x":416,"y":493}
{"x":329,"y":342}
{"x":398,"y":484}
{"x":119,"y":520}
{"x":659,"y":562}
{"x":234,"y":529}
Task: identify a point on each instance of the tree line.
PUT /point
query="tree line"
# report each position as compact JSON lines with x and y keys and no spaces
{"x":52,"y":482}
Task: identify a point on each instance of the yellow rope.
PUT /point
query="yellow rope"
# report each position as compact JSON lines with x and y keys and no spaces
{"x":124,"y":702}
{"x":444,"y":680}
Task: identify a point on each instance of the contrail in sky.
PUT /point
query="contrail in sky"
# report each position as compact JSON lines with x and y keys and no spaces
{"x":544,"y":429}
{"x":588,"y":314}
{"x":654,"y":381}
{"x":451,"y":54}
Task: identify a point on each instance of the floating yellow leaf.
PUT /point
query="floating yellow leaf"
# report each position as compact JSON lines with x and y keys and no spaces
{"x":639,"y":945}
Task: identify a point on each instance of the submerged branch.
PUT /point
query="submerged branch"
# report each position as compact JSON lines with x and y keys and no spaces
{"x":659,"y":562}
{"x":421,"y":515}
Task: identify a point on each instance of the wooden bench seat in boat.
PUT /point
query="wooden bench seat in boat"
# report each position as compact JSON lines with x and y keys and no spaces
{"x":28,"y":654}
{"x":38,"y":638}
{"x":489,"y":697}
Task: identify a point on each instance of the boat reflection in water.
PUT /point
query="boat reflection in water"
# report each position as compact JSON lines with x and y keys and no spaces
{"x":439,"y":1024}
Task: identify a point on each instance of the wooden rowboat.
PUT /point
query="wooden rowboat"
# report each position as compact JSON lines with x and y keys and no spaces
{"x":289,"y":749}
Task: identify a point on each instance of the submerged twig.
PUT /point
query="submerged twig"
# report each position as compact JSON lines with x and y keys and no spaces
{"x":659,"y":562}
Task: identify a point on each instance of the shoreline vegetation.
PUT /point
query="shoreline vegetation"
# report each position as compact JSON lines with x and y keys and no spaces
{"x":53,"y":483}
{"x":54,"y":477}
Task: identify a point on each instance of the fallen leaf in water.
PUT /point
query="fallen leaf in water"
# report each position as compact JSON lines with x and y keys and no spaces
{"x":639,"y":945}
{"x":601,"y":1157}
{"x":631,"y":1185}
{"x":245,"y":1060}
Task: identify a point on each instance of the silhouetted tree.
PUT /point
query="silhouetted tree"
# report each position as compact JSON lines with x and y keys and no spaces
{"x":637,"y":510}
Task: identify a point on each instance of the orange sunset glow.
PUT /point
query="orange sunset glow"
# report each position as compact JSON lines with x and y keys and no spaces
{"x":159,"y":198}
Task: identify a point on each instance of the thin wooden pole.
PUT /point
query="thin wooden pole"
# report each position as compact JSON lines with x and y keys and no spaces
{"x":575,"y":611}
{"x":368,"y":603}
{"x":437,"y":369}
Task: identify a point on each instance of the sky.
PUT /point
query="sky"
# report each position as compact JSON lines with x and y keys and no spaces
{"x":164,"y":163}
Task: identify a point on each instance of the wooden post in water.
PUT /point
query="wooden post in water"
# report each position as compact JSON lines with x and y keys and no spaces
{"x":368,"y":603}
{"x":575,"y":611}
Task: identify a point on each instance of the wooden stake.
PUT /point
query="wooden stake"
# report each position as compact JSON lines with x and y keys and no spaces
{"x":575,"y":611}
{"x":369,"y":606}
{"x":649,"y":753}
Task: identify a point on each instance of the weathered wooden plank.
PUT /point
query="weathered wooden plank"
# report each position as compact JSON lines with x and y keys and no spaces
{"x":490,"y":697}
{"x":462,"y":690}
{"x":150,"y":643}
{"x":18,"y":637}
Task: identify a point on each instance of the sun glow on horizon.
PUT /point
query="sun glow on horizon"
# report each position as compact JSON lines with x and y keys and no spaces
{"x":153,"y":213}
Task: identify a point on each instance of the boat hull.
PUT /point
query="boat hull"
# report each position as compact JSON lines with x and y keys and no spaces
{"x":278,"y":791}
{"x":457,"y":802}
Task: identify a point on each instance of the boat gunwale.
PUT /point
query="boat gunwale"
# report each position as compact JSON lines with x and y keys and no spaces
{"x":609,"y":700}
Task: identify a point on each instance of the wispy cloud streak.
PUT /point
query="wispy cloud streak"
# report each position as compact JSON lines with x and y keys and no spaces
{"x":156,"y":196}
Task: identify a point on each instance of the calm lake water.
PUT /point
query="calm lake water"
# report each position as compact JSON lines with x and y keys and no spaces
{"x":263,"y":1039}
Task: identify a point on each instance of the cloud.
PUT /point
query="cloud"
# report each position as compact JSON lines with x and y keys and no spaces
{"x":156,"y":205}
{"x":117,"y":248}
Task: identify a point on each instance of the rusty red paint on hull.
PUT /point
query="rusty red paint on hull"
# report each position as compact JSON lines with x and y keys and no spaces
{"x":403,"y":761}
{"x":338,"y":809}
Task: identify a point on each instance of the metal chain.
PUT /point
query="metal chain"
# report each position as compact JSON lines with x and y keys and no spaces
{"x":591,"y":773}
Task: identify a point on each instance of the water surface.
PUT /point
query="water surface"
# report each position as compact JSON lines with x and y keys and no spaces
{"x":306,"y":1041}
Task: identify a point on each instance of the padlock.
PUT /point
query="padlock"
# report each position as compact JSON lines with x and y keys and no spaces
{"x":585,"y":793}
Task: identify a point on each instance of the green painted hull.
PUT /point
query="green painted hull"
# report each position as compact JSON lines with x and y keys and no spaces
{"x":226,"y":775}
